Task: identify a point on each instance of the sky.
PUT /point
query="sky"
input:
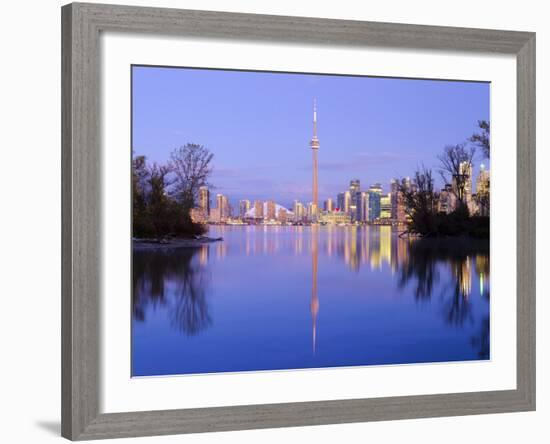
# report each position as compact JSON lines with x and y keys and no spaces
{"x":258,"y":125}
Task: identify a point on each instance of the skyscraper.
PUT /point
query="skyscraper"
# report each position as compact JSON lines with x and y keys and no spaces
{"x":394,"y":190}
{"x":271,"y":210}
{"x":282,"y":215}
{"x":364,"y":207}
{"x":244,"y":206}
{"x":347,"y":202}
{"x":375,"y":194}
{"x":483,"y":191}
{"x":204,"y":200}
{"x":355,"y":199}
{"x":340,"y":201}
{"x":329,"y":205}
{"x":462,"y":184}
{"x":354,"y":186}
{"x":314,"y":144}
{"x":385,"y":206}
{"x":223,"y":206}
{"x":298,"y":210}
{"x":258,"y":209}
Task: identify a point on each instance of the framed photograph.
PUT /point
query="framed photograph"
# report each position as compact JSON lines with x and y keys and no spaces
{"x":278,"y":221}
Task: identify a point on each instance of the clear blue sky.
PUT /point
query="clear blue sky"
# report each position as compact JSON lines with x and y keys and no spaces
{"x":258,"y":125}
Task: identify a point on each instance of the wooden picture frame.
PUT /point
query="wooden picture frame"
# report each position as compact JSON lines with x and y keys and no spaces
{"x":81,"y":171}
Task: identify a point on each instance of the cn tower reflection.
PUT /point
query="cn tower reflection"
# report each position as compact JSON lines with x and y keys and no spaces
{"x":314,"y":305}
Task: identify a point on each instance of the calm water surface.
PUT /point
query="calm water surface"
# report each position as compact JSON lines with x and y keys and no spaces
{"x":272,"y":297}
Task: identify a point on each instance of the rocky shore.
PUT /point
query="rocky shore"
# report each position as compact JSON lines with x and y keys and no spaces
{"x":165,"y":244}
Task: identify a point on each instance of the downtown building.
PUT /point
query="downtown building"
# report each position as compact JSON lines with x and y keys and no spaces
{"x":244,"y":207}
{"x":483,"y":195}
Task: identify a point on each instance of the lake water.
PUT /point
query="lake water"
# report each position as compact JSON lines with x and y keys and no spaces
{"x":274,"y":297}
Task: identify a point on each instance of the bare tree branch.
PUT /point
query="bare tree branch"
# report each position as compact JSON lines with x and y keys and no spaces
{"x":191,"y":166}
{"x":483,"y":139}
{"x":455,"y":164}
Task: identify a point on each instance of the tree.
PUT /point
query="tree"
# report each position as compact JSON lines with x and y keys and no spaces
{"x":158,"y":203}
{"x":139,"y":197}
{"x":421,"y":203}
{"x":455,"y":167}
{"x":191,"y":166}
{"x":483,"y":139}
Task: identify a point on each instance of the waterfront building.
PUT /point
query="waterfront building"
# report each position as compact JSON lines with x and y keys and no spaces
{"x":298,"y":210}
{"x":198,"y":215}
{"x":314,"y":144}
{"x":355,"y":196}
{"x":363,"y":209}
{"x":375,"y":194}
{"x":258,"y":209}
{"x":223,"y":206}
{"x":312,"y":212}
{"x":271,"y":210}
{"x":463,"y":177}
{"x":329,"y":205}
{"x":340,"y":198}
{"x":355,"y":206}
{"x":244,"y":206}
{"x":214,"y":216}
{"x":483,"y":191}
{"x":394,"y":190}
{"x":282,"y":215}
{"x":347,"y":202}
{"x":336,"y":217}
{"x":385,"y":206}
{"x":204,"y":200}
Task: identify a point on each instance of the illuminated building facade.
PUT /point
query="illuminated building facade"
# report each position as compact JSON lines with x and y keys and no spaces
{"x":375,"y":194}
{"x":271,"y":210}
{"x":340,"y":201}
{"x":335,"y":218}
{"x":364,"y":207}
{"x":355,"y":196}
{"x":298,"y":210}
{"x":329,"y":205}
{"x":223,"y":207}
{"x":244,"y":206}
{"x":347,"y":202}
{"x":258,"y":209}
{"x":385,"y":206}
{"x":483,"y":191}
{"x":204,"y":200}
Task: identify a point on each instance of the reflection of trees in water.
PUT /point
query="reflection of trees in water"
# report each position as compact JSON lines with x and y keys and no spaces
{"x":154,"y":270}
{"x":426,"y":255}
{"x":422,"y":269}
{"x":482,"y":341}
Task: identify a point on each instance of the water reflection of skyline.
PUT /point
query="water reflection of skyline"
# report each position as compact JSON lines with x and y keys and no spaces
{"x":375,"y":247}
{"x":178,"y":281}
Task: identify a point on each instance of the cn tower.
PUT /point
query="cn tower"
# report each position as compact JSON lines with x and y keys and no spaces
{"x":314,"y":144}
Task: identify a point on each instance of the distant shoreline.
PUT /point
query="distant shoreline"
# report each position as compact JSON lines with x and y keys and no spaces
{"x":151,"y":244}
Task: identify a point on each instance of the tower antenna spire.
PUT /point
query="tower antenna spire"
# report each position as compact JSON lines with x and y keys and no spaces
{"x":314,"y":118}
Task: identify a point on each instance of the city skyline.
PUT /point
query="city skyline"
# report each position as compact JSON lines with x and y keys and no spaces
{"x":279,"y":166}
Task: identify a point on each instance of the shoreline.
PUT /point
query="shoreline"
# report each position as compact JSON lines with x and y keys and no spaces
{"x":149,"y":244}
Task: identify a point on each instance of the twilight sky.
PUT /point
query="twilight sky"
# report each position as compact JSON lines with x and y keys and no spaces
{"x":258,"y":125}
